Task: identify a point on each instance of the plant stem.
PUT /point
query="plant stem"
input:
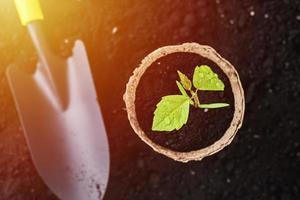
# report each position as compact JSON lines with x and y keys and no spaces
{"x":195,"y":98}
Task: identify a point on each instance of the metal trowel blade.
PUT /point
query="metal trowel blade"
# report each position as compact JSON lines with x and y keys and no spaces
{"x":68,"y":146}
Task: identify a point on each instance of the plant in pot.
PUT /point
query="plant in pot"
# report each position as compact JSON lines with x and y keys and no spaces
{"x":187,"y":126}
{"x":173,"y":110}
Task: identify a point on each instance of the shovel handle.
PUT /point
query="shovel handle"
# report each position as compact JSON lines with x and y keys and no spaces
{"x":29,"y":11}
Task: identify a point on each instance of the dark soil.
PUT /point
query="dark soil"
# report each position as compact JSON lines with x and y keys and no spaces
{"x":260,"y":38}
{"x":203,"y":128}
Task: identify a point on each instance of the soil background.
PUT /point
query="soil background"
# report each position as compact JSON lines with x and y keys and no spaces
{"x":260,"y":38}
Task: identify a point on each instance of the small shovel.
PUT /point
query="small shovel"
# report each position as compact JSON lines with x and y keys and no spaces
{"x":61,"y":118}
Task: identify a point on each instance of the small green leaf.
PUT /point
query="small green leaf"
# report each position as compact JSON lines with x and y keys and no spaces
{"x":181,"y":89}
{"x":205,"y":79}
{"x":171,"y":113}
{"x":214,"y":105}
{"x":184,"y":80}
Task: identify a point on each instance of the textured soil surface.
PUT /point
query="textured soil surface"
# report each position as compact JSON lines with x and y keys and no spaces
{"x":203,"y":128}
{"x":260,"y":38}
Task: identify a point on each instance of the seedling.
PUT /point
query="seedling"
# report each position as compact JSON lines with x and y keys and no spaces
{"x":173,"y":110}
{"x":170,"y":118}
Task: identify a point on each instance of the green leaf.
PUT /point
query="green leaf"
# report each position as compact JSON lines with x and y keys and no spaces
{"x":181,"y":89}
{"x":214,"y":105}
{"x":185,"y":81}
{"x":171,"y":113}
{"x":205,"y":79}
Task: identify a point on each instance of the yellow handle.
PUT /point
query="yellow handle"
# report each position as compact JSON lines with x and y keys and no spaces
{"x":29,"y":10}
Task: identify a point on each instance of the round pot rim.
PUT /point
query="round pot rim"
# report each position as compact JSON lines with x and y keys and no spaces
{"x":236,"y":86}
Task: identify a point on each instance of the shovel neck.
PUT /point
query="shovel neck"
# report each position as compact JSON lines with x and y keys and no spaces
{"x":54,"y":68}
{"x":40,"y":43}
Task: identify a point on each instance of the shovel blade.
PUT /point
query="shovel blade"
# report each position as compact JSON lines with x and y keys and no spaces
{"x":68,"y":146}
